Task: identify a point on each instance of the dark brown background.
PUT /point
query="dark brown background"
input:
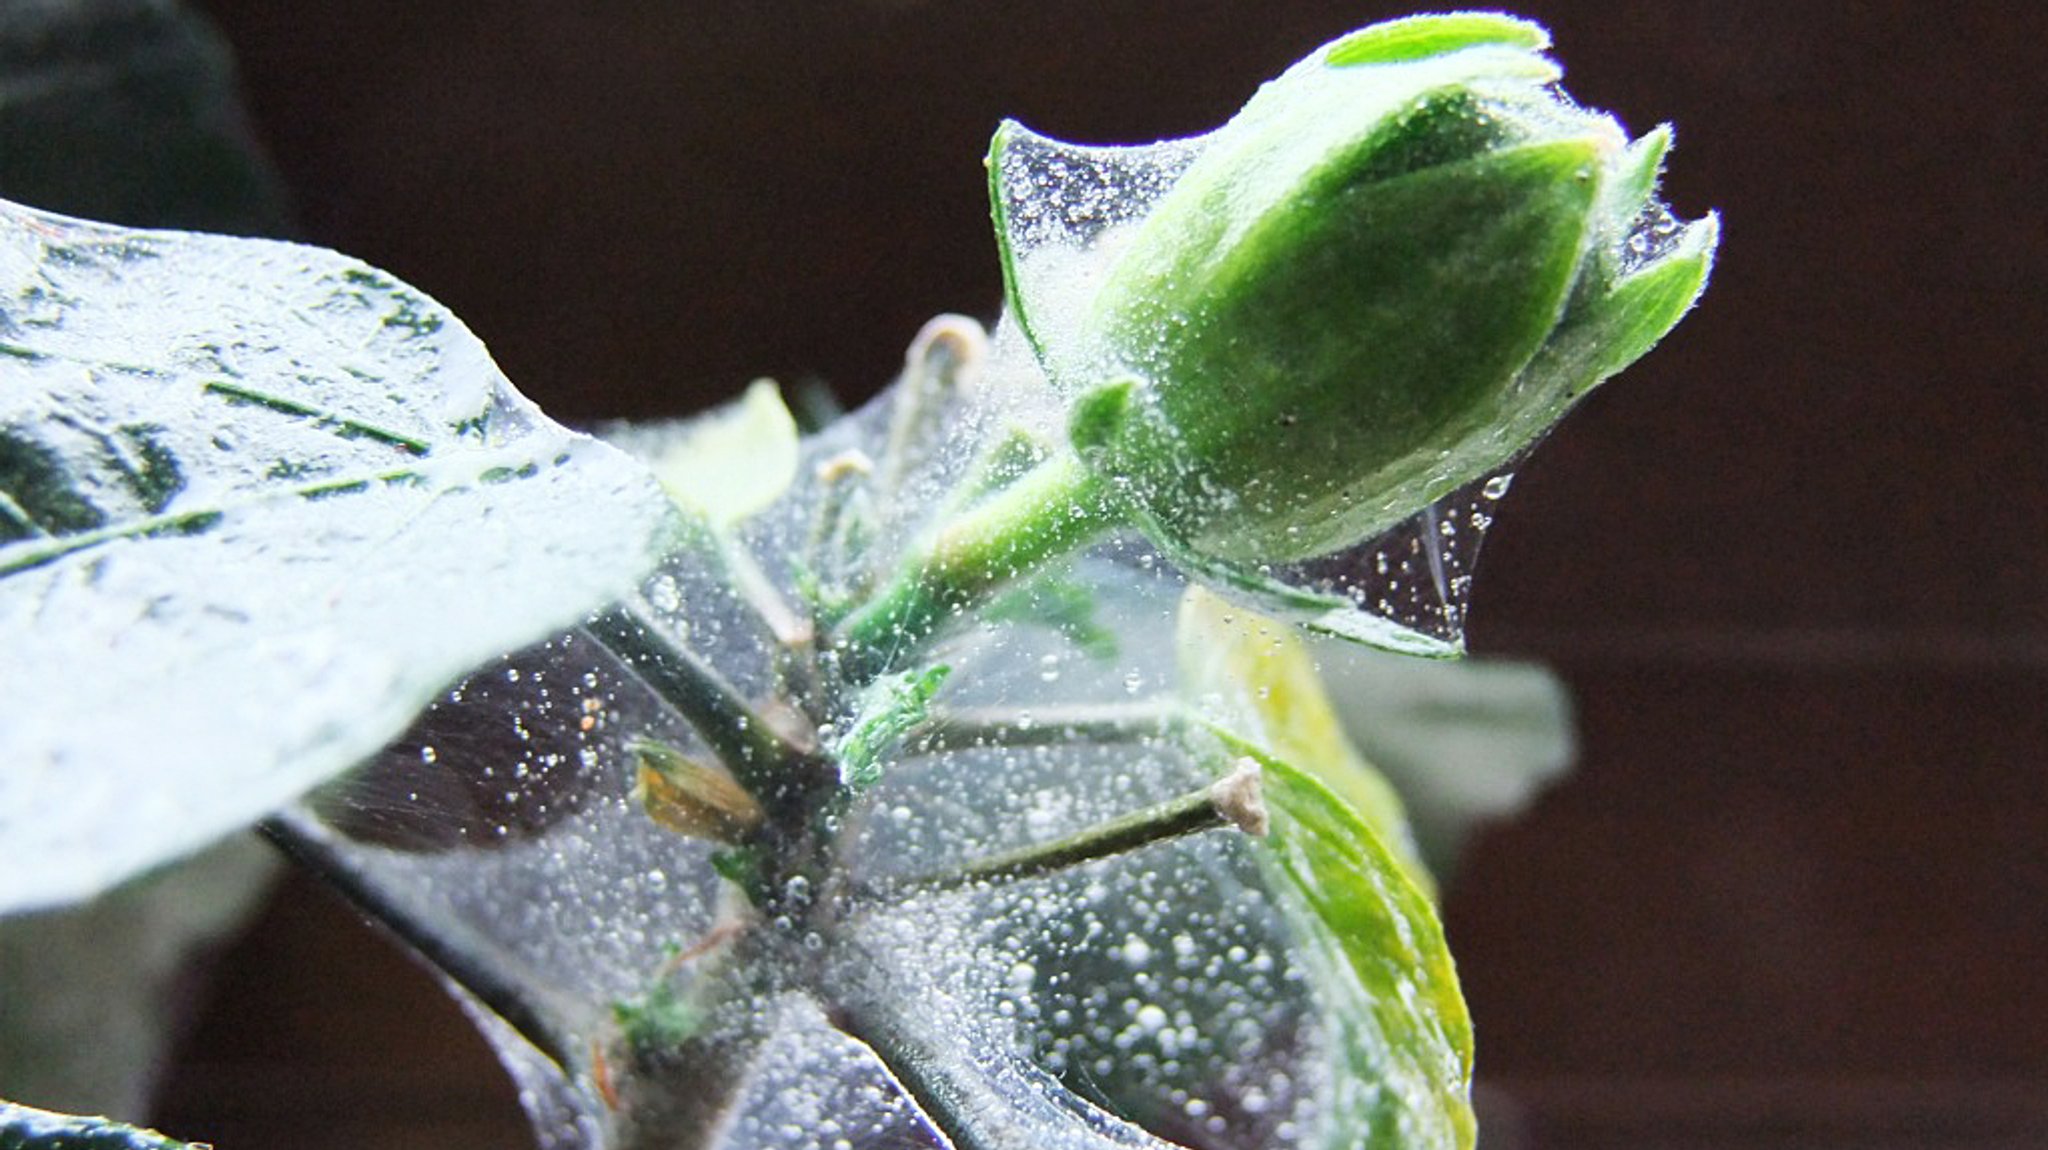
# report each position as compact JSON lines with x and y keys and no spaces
{"x":1793,"y":564}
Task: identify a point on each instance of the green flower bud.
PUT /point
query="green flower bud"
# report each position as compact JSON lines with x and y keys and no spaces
{"x":1388,"y":275}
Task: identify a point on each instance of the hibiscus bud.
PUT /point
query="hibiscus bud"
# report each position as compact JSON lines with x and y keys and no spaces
{"x":1390,"y":273}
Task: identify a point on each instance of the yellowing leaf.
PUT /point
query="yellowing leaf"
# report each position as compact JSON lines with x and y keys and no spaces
{"x":726,"y":464}
{"x":691,"y":796}
{"x":1254,"y":677}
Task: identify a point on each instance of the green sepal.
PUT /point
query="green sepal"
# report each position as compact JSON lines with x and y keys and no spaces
{"x":1445,"y":125}
{"x":1598,"y":341}
{"x":1625,"y":201}
{"x":1100,"y":416}
{"x":1007,"y":256}
{"x":1420,"y":37}
{"x":1646,"y":305}
{"x":1635,"y":177}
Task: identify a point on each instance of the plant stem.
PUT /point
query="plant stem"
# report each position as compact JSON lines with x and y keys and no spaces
{"x":1054,"y":509}
{"x":962,"y":1072}
{"x":791,"y":630}
{"x":1233,"y":800}
{"x":838,"y":533}
{"x":940,"y":362}
{"x":496,"y":989}
{"x":727,"y":559}
{"x":1095,"y":724}
{"x":760,"y":758}
{"x":954,"y":1093}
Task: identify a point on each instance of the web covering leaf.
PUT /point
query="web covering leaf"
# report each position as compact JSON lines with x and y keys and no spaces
{"x":258,"y":503}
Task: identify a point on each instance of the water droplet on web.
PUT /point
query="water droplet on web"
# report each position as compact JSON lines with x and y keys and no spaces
{"x":663,"y":592}
{"x":1653,"y":234}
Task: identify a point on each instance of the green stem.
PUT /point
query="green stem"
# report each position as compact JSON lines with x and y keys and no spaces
{"x":761,"y":759}
{"x":1232,"y":801}
{"x":1093,"y":724}
{"x":1056,"y":508}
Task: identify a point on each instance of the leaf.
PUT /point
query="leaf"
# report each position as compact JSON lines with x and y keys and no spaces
{"x":1254,"y":677}
{"x":258,"y":504}
{"x":691,"y":796}
{"x":1464,"y":742}
{"x":23,"y":1128}
{"x":1375,"y":949}
{"x":91,"y":993}
{"x":1348,"y":876}
{"x":126,"y":110}
{"x":725,"y":464}
{"x":889,"y":708}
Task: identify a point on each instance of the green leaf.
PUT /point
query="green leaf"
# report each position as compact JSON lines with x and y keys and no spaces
{"x":1064,"y":605}
{"x":258,"y":504}
{"x":661,"y":1019}
{"x":23,"y":1128}
{"x":890,"y":707}
{"x":1375,"y":949}
{"x":1349,"y":878}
